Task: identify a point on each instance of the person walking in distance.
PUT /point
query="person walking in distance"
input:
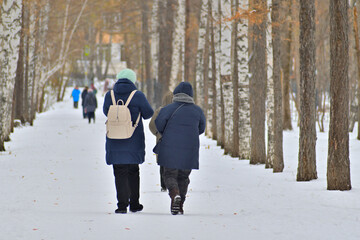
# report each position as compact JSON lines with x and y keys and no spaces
{"x":167,"y":99}
{"x":83,"y":96}
{"x":180,"y":124}
{"x":75,"y":95}
{"x":90,"y":105}
{"x":125,"y":155}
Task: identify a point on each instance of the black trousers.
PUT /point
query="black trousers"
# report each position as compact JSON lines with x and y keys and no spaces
{"x":91,"y":115}
{"x":162,"y":181}
{"x":177,"y":179}
{"x":84,"y":114}
{"x":76,"y":104}
{"x":127,"y":183}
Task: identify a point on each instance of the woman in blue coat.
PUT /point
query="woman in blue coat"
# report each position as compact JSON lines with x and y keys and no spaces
{"x":126,"y":154}
{"x":180,"y":124}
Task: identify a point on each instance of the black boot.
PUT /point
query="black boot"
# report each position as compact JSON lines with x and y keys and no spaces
{"x":123,"y":211}
{"x":136,"y":208}
{"x":175,"y":201}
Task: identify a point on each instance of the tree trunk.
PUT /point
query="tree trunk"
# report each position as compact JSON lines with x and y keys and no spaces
{"x":307,"y":147}
{"x":213,"y":74}
{"x":221,"y":123}
{"x":19,"y":80}
{"x":258,"y":83}
{"x":286,"y":65}
{"x":192,"y":20}
{"x":33,"y":58}
{"x":338,"y":169}
{"x":278,"y":161}
{"x":244,"y":127}
{"x":357,"y":47}
{"x":296,"y":47}
{"x":146,"y":46}
{"x":107,"y":57}
{"x":60,"y":84}
{"x":10,"y":33}
{"x":206,"y":67}
{"x":270,"y":93}
{"x":228,"y":114}
{"x":235,"y":79}
{"x":166,"y":27}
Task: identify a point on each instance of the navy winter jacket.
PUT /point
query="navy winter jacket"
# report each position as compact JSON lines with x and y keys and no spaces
{"x":180,"y":142}
{"x":132,"y":150}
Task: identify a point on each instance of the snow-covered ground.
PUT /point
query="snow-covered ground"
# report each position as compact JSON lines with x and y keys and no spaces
{"x":54,"y":184}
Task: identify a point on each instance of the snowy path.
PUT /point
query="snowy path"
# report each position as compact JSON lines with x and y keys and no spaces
{"x":54,"y":184}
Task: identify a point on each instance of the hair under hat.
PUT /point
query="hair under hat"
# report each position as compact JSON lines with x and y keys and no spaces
{"x":128,"y":74}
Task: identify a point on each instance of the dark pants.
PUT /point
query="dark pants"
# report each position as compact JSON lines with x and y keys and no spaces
{"x":76,"y":104}
{"x":162,"y":181}
{"x":127,"y":183}
{"x":91,"y":115}
{"x":84,"y":114}
{"x":177,"y":179}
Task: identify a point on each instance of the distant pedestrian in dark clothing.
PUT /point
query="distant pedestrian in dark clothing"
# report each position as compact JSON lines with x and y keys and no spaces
{"x":126,"y":154}
{"x":83,"y":95}
{"x":180,"y":125}
{"x":75,"y":95}
{"x":167,"y":99}
{"x":92,"y":86}
{"x":90,"y":105}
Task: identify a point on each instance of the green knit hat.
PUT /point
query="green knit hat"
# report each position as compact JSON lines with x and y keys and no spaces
{"x":128,"y":74}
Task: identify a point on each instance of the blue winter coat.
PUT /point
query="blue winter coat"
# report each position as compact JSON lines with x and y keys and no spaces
{"x":75,"y":94}
{"x":179,"y":146}
{"x":132,"y":150}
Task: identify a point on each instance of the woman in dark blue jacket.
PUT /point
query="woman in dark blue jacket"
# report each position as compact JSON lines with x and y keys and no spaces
{"x":126,"y":154}
{"x":180,"y":124}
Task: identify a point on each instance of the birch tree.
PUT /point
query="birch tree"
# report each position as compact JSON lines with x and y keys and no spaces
{"x":244,"y":94}
{"x":177,"y":68}
{"x":270,"y":108}
{"x":10,"y":33}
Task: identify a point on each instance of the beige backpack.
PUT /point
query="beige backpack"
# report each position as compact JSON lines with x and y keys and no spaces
{"x":119,"y":124}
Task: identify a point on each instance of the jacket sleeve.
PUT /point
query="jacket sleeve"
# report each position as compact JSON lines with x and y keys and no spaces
{"x":162,"y":119}
{"x":152,"y":125}
{"x":202,"y":122}
{"x":107,"y":103}
{"x":145,"y":108}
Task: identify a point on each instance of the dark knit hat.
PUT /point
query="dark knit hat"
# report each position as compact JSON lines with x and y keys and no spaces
{"x":184,"y":87}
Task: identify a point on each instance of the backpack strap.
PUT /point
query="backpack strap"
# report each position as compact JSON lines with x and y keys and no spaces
{"x":127,"y":103}
{"x":130,"y":97}
{"x":137,"y":121}
{"x":113,"y":97}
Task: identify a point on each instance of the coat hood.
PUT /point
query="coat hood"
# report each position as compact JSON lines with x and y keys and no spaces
{"x":123,"y":86}
{"x":184,"y":87}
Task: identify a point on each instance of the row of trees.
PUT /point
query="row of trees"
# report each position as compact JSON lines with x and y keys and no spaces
{"x":247,"y":60}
